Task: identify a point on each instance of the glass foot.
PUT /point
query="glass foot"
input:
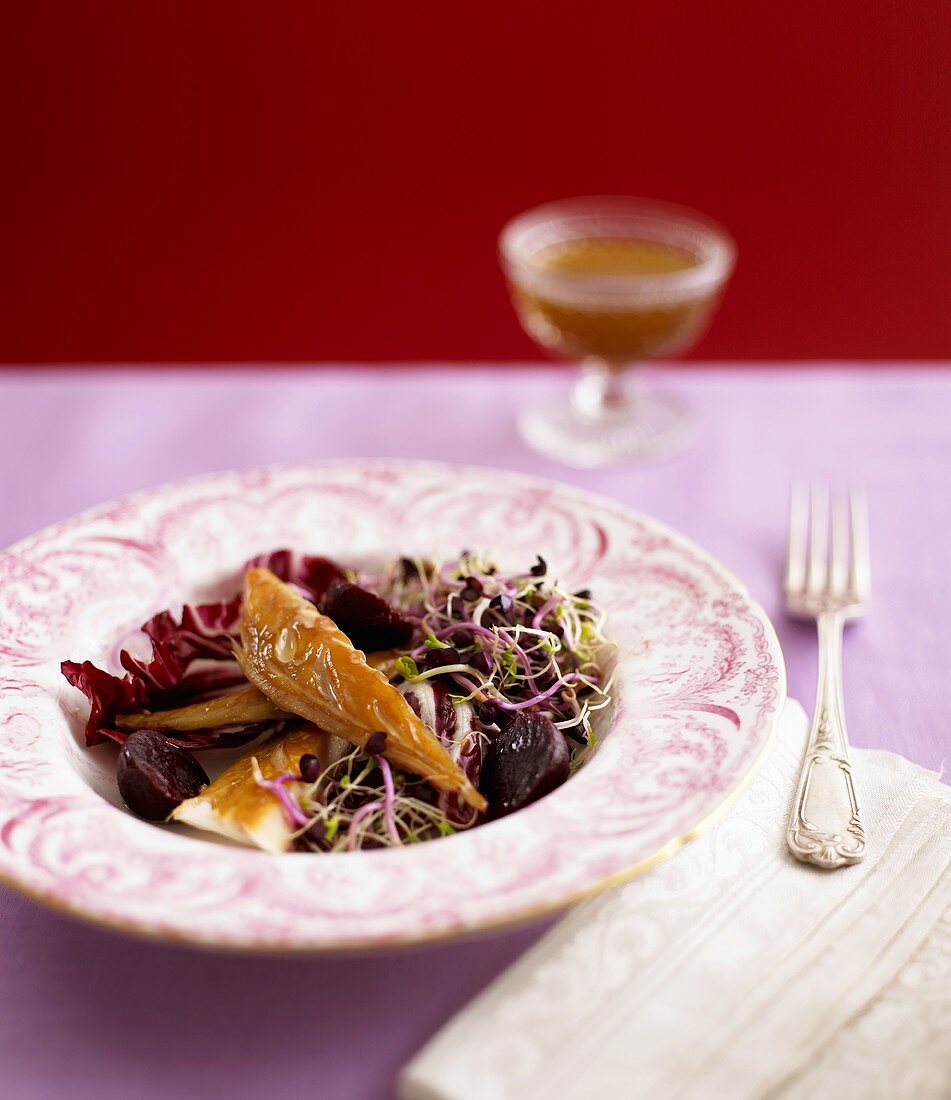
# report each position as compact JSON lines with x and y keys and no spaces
{"x":646,"y":425}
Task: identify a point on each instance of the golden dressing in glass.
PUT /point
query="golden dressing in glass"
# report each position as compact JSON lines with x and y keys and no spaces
{"x":612,"y":326}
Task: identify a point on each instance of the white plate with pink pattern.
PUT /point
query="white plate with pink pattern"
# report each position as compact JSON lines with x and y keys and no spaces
{"x":699,"y":688}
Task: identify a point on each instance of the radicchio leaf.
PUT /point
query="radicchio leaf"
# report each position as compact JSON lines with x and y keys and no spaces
{"x":455,"y":725}
{"x":205,"y":631}
{"x":205,"y":634}
{"x":108,"y":695}
{"x":192,"y":659}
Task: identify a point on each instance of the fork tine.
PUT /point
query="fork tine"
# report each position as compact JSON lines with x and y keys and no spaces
{"x":795,"y":577}
{"x":860,"y":577}
{"x":838,"y":546}
{"x":818,"y":539}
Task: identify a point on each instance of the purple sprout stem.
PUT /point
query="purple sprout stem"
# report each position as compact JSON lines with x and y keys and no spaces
{"x":523,"y":659}
{"x":540,"y":614}
{"x":473,"y":628}
{"x":541,"y":696}
{"x":501,"y":636}
{"x":364,"y":811}
{"x":297,"y":817}
{"x":389,"y":798}
{"x":468,"y":685}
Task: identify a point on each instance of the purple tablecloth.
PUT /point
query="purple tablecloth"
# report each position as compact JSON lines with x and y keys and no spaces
{"x":86,"y":1012}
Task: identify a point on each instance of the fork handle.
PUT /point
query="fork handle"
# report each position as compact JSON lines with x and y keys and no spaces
{"x":825,"y":826}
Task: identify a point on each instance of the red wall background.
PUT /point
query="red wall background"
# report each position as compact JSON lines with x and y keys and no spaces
{"x":218,"y":181}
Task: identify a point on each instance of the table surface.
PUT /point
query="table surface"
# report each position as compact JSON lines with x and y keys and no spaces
{"x":89,"y":1012}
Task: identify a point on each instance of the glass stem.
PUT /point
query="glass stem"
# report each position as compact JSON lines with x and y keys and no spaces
{"x":601,"y":392}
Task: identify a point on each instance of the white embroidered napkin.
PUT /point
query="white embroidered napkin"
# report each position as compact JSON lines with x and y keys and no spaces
{"x":732,"y":971}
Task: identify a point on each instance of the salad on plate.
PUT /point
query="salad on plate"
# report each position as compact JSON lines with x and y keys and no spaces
{"x":363,"y":709}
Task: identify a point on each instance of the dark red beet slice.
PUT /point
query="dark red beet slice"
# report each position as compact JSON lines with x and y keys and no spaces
{"x":155,"y":776}
{"x":369,"y":622}
{"x":528,"y":759}
{"x":312,"y":574}
{"x":317,"y":575}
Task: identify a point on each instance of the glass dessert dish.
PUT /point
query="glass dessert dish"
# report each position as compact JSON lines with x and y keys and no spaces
{"x":614,"y":282}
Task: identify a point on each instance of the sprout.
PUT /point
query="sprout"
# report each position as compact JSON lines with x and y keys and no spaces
{"x":524,"y":639}
{"x":407,"y":668}
{"x":520,"y":642}
{"x":359,"y":802}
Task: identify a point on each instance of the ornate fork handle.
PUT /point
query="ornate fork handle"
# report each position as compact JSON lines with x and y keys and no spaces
{"x":825,"y":827}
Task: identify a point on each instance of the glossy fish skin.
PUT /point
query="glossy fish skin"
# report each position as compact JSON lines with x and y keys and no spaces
{"x":385,"y":661}
{"x":237,"y":806}
{"x":244,"y":707}
{"x":306,"y":665}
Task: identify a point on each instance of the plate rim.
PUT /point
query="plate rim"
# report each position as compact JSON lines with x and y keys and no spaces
{"x":486,"y":925}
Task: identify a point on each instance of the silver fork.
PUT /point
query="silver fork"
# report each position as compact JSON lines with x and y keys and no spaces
{"x":827,"y":579}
